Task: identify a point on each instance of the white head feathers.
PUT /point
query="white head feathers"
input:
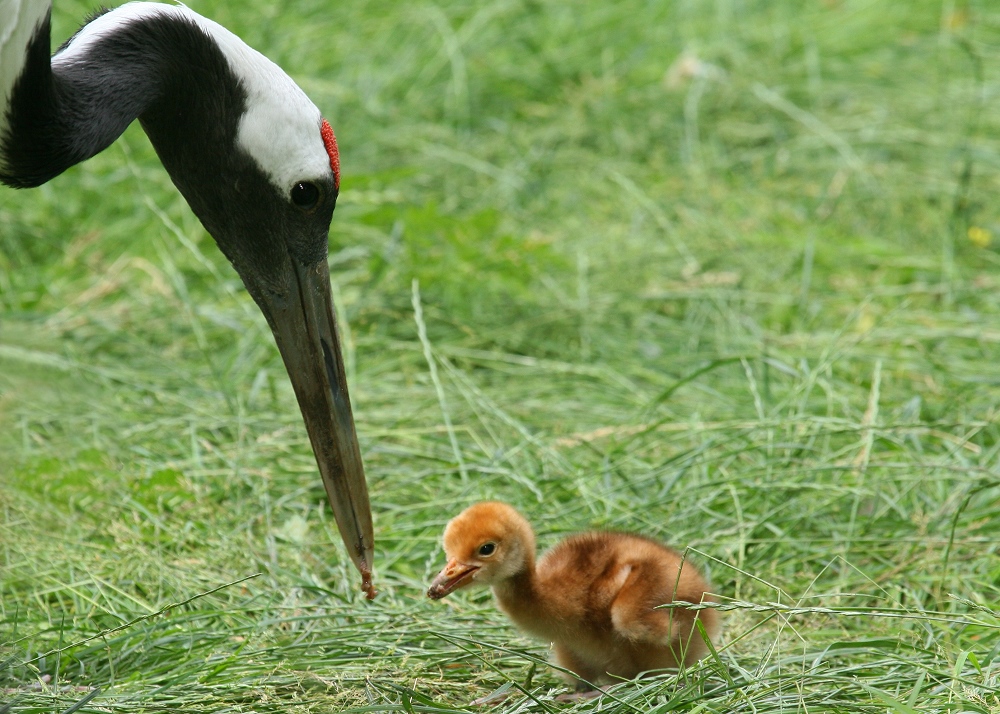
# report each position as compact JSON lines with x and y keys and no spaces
{"x":281,"y":127}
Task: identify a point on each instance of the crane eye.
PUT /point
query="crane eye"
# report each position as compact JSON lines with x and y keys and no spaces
{"x":305,"y":195}
{"x":487,"y":549}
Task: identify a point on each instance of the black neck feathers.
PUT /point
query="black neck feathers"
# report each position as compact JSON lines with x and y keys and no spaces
{"x":163,"y":69}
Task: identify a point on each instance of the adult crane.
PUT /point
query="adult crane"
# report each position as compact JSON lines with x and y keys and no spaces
{"x":250,"y":153}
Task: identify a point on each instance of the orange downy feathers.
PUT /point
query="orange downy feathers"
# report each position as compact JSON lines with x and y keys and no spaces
{"x":594,"y":596}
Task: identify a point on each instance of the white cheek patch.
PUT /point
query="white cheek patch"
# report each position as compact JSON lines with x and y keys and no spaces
{"x":281,"y":129}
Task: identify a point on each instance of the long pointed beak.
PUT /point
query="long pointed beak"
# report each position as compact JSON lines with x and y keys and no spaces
{"x":305,"y":328}
{"x":452,"y":577}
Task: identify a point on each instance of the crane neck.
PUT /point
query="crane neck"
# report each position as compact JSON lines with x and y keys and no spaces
{"x":161,"y":69}
{"x":22,"y":20}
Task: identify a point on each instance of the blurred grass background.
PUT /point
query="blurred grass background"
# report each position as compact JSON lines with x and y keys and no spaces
{"x":724,"y":273}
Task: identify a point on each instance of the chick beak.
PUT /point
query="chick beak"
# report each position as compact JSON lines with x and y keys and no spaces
{"x":454,"y":576}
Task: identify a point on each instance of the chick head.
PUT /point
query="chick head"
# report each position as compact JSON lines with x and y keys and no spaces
{"x":485,"y":544}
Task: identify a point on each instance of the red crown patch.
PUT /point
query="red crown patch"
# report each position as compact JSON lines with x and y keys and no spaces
{"x":330,"y":142}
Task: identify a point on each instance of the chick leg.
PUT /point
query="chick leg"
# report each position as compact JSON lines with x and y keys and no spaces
{"x":586,"y":674}
{"x":581,"y":696}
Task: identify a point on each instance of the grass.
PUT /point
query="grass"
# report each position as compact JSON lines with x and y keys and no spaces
{"x":723,"y":273}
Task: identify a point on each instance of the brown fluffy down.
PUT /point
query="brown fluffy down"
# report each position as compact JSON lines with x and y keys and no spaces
{"x":593,"y":596}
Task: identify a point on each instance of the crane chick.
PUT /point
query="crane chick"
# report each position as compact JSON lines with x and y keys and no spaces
{"x":594,"y":596}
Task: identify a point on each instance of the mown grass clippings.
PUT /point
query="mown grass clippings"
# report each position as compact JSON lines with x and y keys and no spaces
{"x":717,"y":273}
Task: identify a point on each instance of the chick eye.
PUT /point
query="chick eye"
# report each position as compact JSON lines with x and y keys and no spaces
{"x":487,"y":549}
{"x":305,"y":195}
